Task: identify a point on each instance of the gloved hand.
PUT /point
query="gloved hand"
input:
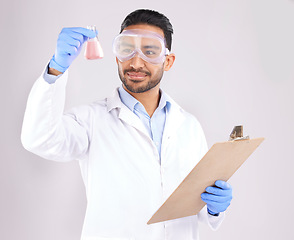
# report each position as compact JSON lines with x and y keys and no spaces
{"x":69,"y":45}
{"x":218,"y":197}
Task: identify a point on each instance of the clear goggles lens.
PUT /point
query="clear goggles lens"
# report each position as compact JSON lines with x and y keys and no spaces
{"x":148,"y":45}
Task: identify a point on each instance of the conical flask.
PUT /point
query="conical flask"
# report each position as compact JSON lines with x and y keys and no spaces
{"x":93,"y":47}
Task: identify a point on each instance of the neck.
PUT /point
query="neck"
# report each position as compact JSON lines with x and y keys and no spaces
{"x":149,"y":99}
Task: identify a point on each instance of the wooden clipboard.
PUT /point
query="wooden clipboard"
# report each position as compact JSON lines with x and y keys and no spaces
{"x":219,"y":163}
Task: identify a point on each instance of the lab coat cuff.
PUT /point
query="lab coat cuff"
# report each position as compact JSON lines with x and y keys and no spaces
{"x":215,"y":221}
{"x":49,"y":78}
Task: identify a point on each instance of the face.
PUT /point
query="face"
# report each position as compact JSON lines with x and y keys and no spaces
{"x":139,"y":76}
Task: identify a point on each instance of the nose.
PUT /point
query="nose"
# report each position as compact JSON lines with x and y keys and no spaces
{"x":137,"y":62}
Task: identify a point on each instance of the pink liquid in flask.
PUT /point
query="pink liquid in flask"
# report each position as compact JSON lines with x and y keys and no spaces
{"x":93,"y":47}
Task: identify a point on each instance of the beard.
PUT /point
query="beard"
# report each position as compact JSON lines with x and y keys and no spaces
{"x":131,"y":84}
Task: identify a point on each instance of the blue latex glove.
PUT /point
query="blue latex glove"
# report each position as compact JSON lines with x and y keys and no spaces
{"x":218,"y":197}
{"x":69,"y":45}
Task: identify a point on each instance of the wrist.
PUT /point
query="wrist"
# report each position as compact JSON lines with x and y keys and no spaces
{"x":56,"y":68}
{"x":53,"y":71}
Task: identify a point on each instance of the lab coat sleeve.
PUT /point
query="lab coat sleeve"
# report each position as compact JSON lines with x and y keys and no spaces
{"x":213,"y":222}
{"x":46,"y":131}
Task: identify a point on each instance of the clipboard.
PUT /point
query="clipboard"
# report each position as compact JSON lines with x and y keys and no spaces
{"x":219,"y":163}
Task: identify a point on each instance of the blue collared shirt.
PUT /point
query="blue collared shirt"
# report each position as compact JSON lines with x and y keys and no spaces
{"x":155,"y":124}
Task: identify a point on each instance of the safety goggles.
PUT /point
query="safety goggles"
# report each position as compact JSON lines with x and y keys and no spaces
{"x":149,"y":46}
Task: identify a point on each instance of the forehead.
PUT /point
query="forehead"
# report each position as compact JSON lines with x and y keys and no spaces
{"x":146,"y":27}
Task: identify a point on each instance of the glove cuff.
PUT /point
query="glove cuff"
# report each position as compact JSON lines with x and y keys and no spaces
{"x":212,"y":213}
{"x":55,"y":65}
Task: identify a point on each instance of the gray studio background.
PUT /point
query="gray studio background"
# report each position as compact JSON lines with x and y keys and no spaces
{"x":234,"y":65}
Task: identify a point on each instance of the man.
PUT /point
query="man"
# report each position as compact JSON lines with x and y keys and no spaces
{"x":135,"y":147}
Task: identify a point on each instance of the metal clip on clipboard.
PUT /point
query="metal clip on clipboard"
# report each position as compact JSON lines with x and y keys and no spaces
{"x":237,"y":134}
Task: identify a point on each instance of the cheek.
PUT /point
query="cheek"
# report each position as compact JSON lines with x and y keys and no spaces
{"x":154,"y":69}
{"x":120,"y":68}
{"x":158,"y":70}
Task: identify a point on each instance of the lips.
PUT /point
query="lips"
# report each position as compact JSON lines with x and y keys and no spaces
{"x":136,"y":75}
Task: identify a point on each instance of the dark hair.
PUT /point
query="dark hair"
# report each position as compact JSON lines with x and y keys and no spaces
{"x":150,"y":17}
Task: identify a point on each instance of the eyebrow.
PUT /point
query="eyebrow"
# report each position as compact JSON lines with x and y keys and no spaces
{"x":145,"y":47}
{"x":151,"y":46}
{"x":127,"y":44}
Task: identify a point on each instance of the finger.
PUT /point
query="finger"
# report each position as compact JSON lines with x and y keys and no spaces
{"x":214,"y":198}
{"x":68,"y":40}
{"x":218,"y":191}
{"x":66,"y":35}
{"x":68,"y":49}
{"x":222,"y":184}
{"x":217,"y":207}
{"x":80,"y":30}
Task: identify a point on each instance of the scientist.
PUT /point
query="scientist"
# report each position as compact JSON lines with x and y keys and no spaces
{"x":135,"y":147}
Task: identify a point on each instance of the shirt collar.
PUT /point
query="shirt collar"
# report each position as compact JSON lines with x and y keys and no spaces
{"x":132,"y":103}
{"x":127,"y":99}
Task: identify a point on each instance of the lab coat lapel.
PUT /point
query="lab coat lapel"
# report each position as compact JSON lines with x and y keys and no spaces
{"x":130,"y":118}
{"x":124,"y":113}
{"x":174,"y":119}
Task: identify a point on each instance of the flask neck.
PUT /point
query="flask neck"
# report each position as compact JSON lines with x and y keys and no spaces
{"x":93,"y":28}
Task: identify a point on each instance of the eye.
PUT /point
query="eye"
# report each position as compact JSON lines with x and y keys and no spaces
{"x":151,"y":50}
{"x":150,"y":53}
{"x":126,"y":51}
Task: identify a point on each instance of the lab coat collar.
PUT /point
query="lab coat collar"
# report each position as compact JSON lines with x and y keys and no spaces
{"x":175,"y":114}
{"x":124,"y":113}
{"x":114,"y":101}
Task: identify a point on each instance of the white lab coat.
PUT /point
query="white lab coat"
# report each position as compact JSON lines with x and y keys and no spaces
{"x":125,"y":184}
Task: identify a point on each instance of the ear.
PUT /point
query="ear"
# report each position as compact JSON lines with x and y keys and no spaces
{"x":169,"y":61}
